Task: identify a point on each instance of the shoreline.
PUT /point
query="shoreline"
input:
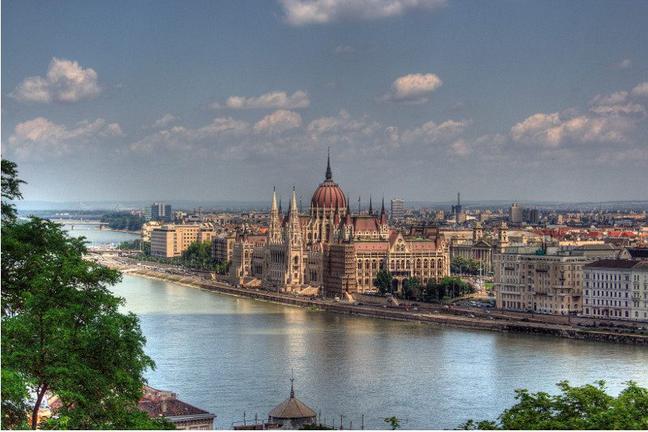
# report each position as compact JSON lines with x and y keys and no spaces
{"x":384,"y":312}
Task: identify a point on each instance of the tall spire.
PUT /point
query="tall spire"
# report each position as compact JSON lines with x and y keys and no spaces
{"x":329,"y":174}
{"x":293,"y":201}
{"x":370,"y":206}
{"x":292,"y":384}
{"x":274,"y":199}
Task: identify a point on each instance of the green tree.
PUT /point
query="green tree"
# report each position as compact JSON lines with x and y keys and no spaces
{"x":411,"y":288}
{"x":448,"y":288}
{"x":15,"y":406}
{"x":198,"y":255}
{"x":222,"y":267}
{"x":123,"y":221}
{"x":10,"y":190}
{"x":584,"y":407}
{"x":62,"y":332}
{"x":383,"y":281}
{"x":393,"y":422}
{"x":461,"y":265}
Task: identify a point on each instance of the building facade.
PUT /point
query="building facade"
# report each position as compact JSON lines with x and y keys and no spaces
{"x":616,"y":289}
{"x":223,"y":248}
{"x":397,"y":209}
{"x":549,"y":284}
{"x":336,"y":251}
{"x":171,"y":240}
{"x":161,"y":212}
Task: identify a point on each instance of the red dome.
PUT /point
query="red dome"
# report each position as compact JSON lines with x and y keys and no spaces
{"x":329,"y":195}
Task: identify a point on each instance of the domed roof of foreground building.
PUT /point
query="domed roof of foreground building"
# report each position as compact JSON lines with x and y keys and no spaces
{"x":328,"y":194}
{"x":292,"y":408}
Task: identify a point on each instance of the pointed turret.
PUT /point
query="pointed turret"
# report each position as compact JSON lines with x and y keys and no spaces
{"x":347,"y":217}
{"x":293,"y":202}
{"x":383,"y":213}
{"x":274,"y":199}
{"x":274,"y":231}
{"x":329,"y":174}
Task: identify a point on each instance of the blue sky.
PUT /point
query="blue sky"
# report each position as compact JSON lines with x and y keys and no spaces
{"x":220,"y":100}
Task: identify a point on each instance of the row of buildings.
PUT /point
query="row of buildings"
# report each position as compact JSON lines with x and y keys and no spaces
{"x":597,"y":282}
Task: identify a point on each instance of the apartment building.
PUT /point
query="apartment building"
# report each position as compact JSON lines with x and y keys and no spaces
{"x":540,"y":281}
{"x":223,"y":247}
{"x":171,"y":240}
{"x":616,"y":289}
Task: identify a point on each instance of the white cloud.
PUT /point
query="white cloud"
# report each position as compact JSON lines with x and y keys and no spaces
{"x":183,"y":138}
{"x":278,"y":122}
{"x":341,"y":125}
{"x":413,"y":88}
{"x":164,"y":121}
{"x":432,"y":133}
{"x":624,"y":64}
{"x":552,"y":131}
{"x":640,"y":90}
{"x":66,"y":81}
{"x":617,"y":103}
{"x":40,"y":138}
{"x":271,"y":100}
{"x":304,"y":12}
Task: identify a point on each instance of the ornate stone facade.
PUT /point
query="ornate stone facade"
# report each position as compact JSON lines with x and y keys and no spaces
{"x":336,"y":251}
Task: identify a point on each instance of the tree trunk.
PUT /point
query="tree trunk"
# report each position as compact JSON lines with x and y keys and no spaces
{"x":39,"y":398}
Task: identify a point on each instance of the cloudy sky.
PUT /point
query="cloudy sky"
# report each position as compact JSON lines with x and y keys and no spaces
{"x":220,"y":100}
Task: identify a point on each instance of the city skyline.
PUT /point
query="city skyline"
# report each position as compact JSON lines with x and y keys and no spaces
{"x":501,"y":101}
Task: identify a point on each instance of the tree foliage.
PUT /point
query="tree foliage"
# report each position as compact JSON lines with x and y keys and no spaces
{"x":393,"y":422}
{"x":383,"y":281}
{"x":10,"y":190}
{"x":461,"y":265}
{"x":584,"y":407}
{"x":15,"y":400}
{"x":411,"y":288}
{"x":123,"y":221}
{"x":63,"y":334}
{"x":198,"y":256}
{"x":447,"y":289}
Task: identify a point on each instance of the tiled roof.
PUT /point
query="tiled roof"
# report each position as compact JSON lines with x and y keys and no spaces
{"x":161,"y":403}
{"x":365,"y":223}
{"x":292,"y":408}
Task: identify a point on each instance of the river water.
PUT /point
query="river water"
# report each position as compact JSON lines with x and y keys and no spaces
{"x":96,"y":237}
{"x":229,"y":355}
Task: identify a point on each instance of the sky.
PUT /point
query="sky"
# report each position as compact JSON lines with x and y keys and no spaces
{"x":419,"y":99}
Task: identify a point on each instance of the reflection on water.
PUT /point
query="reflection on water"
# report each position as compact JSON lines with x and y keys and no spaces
{"x":96,"y":237}
{"x":230,"y":355}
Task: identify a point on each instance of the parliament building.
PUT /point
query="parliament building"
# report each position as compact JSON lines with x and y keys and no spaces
{"x":333,"y":252}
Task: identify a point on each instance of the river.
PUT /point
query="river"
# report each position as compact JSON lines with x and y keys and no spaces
{"x":229,"y":355}
{"x":99,"y":237}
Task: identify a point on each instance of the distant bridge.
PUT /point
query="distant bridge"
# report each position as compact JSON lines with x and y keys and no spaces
{"x":74,"y":222}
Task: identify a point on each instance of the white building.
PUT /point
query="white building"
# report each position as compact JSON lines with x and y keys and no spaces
{"x":616,"y":289}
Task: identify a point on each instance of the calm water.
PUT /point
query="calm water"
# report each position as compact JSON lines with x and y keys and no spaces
{"x":96,"y":237}
{"x":230,"y":355}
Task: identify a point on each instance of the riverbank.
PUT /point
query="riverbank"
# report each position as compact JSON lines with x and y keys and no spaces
{"x":436,"y":317}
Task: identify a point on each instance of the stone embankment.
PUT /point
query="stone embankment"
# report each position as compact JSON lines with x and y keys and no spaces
{"x":438,"y":317}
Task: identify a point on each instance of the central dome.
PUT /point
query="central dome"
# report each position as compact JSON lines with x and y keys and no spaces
{"x":328,"y":194}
